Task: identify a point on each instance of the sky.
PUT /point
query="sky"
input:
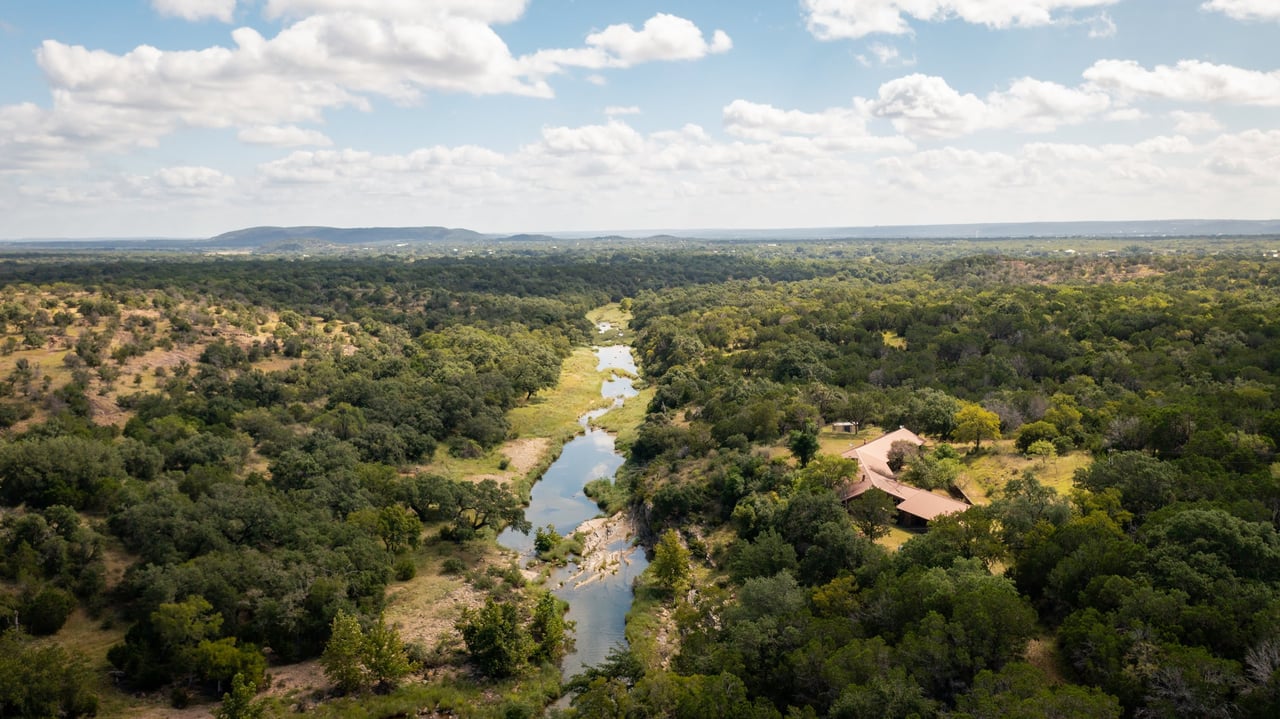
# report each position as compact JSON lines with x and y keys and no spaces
{"x":188,"y":118}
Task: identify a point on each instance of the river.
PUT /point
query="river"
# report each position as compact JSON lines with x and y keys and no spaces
{"x":598,"y":600}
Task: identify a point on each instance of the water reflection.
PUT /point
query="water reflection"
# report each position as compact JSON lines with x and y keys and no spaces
{"x":598,"y":604}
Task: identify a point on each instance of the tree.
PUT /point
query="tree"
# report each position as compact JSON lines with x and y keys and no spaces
{"x":671,"y":568}
{"x":343,"y":657}
{"x":873,"y":512}
{"x":901,"y":453}
{"x":827,"y":471}
{"x":494,"y":638}
{"x":804,"y":444}
{"x":547,"y":629}
{"x":1021,"y":691}
{"x":383,"y":655}
{"x":239,"y":703}
{"x":973,"y":422}
{"x":1029,"y":434}
{"x":43,"y":681}
{"x":767,"y":555}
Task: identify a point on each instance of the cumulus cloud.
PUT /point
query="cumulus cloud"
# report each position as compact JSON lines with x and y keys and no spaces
{"x":1187,"y":81}
{"x":192,"y":179}
{"x":925,"y":105}
{"x":330,"y":54}
{"x":1194,"y":123}
{"x":287,"y":136}
{"x":837,"y":129}
{"x":613,"y":110}
{"x":884,"y":55}
{"x":663,"y":38}
{"x":194,"y":10}
{"x":1245,"y":9}
{"x":1253,"y":155}
{"x":840,"y":19}
{"x":486,"y":11}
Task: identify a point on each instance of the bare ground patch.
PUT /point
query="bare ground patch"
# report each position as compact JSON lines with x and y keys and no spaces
{"x":426,"y":608}
{"x":525,"y":453}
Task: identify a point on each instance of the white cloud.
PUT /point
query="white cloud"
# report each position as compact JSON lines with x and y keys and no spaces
{"x":884,"y":55}
{"x":613,"y":110}
{"x":615,"y":138}
{"x":663,"y":38}
{"x":1101,"y":26}
{"x":833,"y":130}
{"x":1194,"y":123}
{"x":1246,"y":9}
{"x":925,"y":105}
{"x":192,"y":179}
{"x":287,"y":136}
{"x":839,"y":19}
{"x":1188,"y":81}
{"x":1126,"y":114}
{"x":1253,"y":155}
{"x":486,"y":11}
{"x":339,"y":58}
{"x":612,"y":176}
{"x":194,"y":10}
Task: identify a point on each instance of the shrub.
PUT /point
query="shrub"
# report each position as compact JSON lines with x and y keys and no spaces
{"x":405,"y":569}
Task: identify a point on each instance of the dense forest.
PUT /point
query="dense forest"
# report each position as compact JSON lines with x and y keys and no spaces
{"x":227,"y":465}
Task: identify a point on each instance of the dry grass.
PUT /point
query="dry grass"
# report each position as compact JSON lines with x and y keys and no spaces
{"x":85,"y":635}
{"x":1042,"y":653}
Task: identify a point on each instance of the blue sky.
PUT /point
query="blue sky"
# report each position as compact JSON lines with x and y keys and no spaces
{"x":186,"y":118}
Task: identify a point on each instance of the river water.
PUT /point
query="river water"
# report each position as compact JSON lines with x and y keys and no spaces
{"x":598,"y":602}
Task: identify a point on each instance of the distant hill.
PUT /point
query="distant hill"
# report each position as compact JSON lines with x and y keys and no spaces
{"x":255,"y":237}
{"x":989,"y":230}
{"x":330,"y":240}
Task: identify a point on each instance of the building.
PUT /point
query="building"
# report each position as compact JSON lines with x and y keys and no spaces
{"x":916,"y":507}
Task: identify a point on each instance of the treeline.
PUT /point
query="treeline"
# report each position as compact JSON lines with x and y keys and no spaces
{"x":1151,"y":591}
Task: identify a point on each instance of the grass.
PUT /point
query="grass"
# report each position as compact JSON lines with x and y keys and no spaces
{"x":570,"y":546}
{"x":554,"y":413}
{"x":624,"y":422}
{"x":989,"y":471}
{"x":620,"y":332}
{"x":896,"y":537}
{"x":449,"y":696}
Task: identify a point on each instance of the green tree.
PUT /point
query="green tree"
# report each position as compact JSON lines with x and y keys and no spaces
{"x":1021,"y":691}
{"x":43,"y":681}
{"x":239,"y":703}
{"x":343,"y":657}
{"x":1029,"y":434}
{"x":826,"y":471}
{"x":671,"y":563}
{"x":494,"y":638}
{"x":972,"y":422}
{"x":803,"y":443}
{"x":765,"y":556}
{"x":547,"y":629}
{"x":873,"y":512}
{"x":384,"y":657}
